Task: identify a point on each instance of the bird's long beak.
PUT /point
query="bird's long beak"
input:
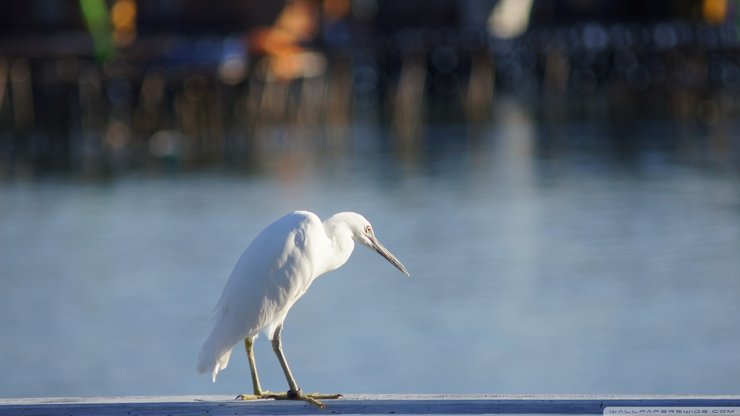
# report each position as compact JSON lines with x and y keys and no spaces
{"x":388,"y":255}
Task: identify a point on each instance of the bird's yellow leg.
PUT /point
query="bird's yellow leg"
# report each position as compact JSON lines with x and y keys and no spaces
{"x":258,"y":393}
{"x":295,"y":392}
{"x":291,"y":395}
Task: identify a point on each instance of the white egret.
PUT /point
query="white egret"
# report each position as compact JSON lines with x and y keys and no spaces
{"x":271,"y":275}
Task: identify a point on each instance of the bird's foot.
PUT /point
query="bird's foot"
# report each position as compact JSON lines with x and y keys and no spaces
{"x":256,"y":396}
{"x":312,"y":398}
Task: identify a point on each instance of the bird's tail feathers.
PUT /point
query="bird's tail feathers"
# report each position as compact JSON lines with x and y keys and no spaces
{"x":213,"y":359}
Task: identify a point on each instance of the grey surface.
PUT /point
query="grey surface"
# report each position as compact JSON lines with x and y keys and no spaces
{"x":354,"y":404}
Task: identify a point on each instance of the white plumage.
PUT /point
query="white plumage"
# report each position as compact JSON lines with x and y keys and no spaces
{"x":273,"y":273}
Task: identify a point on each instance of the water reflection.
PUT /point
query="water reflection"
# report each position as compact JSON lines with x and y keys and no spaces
{"x":546,"y":258}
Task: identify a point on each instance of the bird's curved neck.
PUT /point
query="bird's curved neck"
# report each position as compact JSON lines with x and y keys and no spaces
{"x":342,"y":244}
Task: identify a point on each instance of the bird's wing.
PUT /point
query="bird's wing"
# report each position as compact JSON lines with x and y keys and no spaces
{"x":272,"y":273}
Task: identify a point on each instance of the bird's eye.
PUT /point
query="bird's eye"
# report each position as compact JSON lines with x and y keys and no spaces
{"x":368,"y":230}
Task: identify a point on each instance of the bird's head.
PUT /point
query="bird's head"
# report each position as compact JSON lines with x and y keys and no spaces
{"x":362,"y":233}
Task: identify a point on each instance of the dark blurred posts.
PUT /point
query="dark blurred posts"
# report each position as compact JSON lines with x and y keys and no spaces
{"x":408,"y":101}
{"x":93,"y":103}
{"x":110,"y":86}
{"x":21,"y":84}
{"x":480,"y":88}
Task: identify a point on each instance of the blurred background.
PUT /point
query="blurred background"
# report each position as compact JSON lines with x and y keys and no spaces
{"x":561,"y":178}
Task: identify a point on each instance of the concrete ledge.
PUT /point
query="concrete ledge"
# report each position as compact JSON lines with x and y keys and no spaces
{"x":354,"y":404}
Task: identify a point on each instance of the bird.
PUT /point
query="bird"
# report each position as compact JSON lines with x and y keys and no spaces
{"x":275,"y":270}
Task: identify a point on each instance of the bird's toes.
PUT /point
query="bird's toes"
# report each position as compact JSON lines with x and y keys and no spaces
{"x":291,"y":395}
{"x":312,"y":401}
{"x":261,"y":395}
{"x":322,"y":396}
{"x":298,"y":395}
{"x":247,"y":397}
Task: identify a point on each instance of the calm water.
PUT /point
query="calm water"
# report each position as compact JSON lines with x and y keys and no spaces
{"x":544,"y":260}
